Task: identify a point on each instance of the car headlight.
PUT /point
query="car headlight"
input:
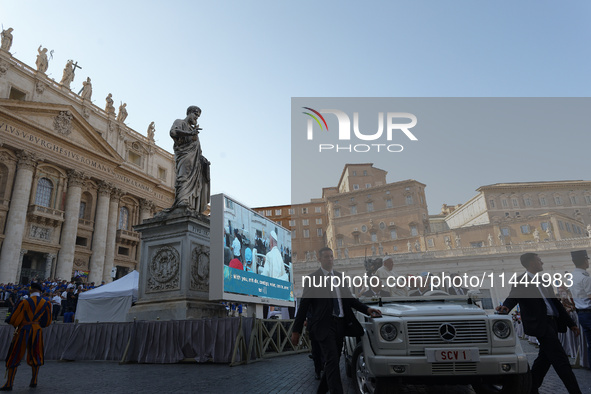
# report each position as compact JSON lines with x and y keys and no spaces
{"x":501,"y":329}
{"x":389,"y":331}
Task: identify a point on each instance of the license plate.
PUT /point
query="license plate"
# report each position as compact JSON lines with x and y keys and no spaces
{"x":452,"y":355}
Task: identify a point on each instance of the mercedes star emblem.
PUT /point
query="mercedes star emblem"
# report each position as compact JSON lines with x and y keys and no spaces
{"x":447,"y":332}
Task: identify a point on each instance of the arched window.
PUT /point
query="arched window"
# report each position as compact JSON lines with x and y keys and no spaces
{"x":44,"y":190}
{"x":81,"y":214}
{"x":85,"y":206}
{"x":123,"y":218}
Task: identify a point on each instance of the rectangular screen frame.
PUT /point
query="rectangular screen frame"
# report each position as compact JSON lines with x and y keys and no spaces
{"x":216,"y":264}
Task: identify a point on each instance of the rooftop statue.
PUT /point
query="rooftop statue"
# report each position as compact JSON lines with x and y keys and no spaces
{"x":151,"y":131}
{"x":109,"y":107}
{"x":6,"y":39}
{"x":68,"y":75}
{"x":42,"y":60}
{"x":122,"y":113}
{"x":192,"y":183}
{"x":86,"y":89}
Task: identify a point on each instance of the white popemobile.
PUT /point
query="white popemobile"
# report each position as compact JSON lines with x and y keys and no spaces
{"x":436,"y":339}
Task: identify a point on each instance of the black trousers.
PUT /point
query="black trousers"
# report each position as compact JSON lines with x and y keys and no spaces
{"x":331,"y":348}
{"x":316,"y":355}
{"x":552,"y":353}
{"x":55,"y":311}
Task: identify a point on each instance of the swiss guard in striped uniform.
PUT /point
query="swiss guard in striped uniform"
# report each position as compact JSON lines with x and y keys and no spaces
{"x":29,"y":317}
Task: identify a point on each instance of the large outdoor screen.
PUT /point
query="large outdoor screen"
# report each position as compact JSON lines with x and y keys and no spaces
{"x":250,"y":256}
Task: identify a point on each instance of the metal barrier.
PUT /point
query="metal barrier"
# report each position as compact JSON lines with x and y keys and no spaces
{"x":268,"y":338}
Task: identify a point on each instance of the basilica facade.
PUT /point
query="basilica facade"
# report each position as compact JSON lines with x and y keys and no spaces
{"x":74,"y":179}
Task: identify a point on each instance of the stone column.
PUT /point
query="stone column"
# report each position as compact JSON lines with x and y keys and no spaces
{"x":17,"y":214}
{"x":65,"y":260}
{"x":20,"y":265}
{"x":111,"y":235}
{"x":48,"y":261}
{"x":99,"y":239}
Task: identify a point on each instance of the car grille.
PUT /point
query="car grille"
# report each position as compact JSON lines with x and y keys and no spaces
{"x":455,"y":368}
{"x":427,"y":332}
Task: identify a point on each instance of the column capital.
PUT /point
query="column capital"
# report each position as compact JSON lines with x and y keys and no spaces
{"x":146,"y":204}
{"x":49,"y":256}
{"x":104,"y":188}
{"x":6,"y":157}
{"x":116,"y":194}
{"x":76,"y":178}
{"x":23,"y":252}
{"x":26,"y":160}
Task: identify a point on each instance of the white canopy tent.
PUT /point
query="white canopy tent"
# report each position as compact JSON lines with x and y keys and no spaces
{"x":110,"y":302}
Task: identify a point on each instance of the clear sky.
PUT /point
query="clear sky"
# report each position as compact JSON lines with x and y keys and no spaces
{"x":243,"y":61}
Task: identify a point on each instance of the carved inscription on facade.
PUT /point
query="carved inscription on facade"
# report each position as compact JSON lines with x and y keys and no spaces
{"x":198,"y":230}
{"x":164,"y":270}
{"x":41,"y":233}
{"x":200,"y":268}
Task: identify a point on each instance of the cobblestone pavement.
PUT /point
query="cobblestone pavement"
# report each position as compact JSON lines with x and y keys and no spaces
{"x":286,"y":374}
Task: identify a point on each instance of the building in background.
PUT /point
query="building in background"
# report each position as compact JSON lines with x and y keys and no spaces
{"x":365,"y":216}
{"x":74,"y":179}
{"x":368,"y":216}
{"x":504,"y":202}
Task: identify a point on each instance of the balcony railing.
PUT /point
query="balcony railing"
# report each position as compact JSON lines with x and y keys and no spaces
{"x":88,"y":224}
{"x":127,"y":237}
{"x":46,"y":215}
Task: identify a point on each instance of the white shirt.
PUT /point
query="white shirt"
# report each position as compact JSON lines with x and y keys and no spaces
{"x":549,"y":310}
{"x":383,"y":273}
{"x":56,"y":300}
{"x":581,"y":288}
{"x":236,"y":246}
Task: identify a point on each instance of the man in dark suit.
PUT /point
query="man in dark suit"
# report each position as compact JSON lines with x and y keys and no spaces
{"x":543,"y":317}
{"x":330,"y":318}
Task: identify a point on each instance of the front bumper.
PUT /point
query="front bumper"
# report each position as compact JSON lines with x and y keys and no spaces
{"x":413,"y":366}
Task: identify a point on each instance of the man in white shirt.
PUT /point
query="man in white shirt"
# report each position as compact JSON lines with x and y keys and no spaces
{"x":386,"y":271}
{"x":274,"y":266}
{"x":56,"y":304}
{"x":581,"y":291}
{"x":236,"y":246}
{"x":64,"y":298}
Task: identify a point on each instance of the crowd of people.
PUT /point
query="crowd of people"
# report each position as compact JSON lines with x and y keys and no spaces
{"x":233,"y":309}
{"x":62,"y":295}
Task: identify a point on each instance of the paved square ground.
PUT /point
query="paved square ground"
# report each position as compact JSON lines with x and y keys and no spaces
{"x":286,"y":374}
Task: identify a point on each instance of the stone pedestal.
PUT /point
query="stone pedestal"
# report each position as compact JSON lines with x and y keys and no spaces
{"x":174,"y":268}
